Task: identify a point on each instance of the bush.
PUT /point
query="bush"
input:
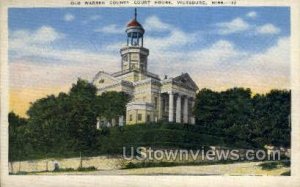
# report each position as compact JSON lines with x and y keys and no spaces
{"x":131,"y":165}
{"x":63,"y":169}
{"x":91,"y":168}
{"x":287,"y":173}
{"x":269,"y":165}
{"x":286,"y":163}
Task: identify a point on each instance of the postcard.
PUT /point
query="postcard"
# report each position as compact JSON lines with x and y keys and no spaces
{"x":150,"y":93}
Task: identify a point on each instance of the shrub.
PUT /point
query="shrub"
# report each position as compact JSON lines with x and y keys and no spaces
{"x":63,"y":169}
{"x":269,"y":165}
{"x":91,"y":168}
{"x":287,"y":173}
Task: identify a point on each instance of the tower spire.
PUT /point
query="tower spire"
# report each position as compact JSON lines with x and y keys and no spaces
{"x":135,"y":13}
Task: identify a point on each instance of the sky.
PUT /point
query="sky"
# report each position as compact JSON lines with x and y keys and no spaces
{"x":220,"y":47}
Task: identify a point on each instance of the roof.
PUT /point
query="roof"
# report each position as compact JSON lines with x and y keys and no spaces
{"x":186,"y":81}
{"x":134,"y":23}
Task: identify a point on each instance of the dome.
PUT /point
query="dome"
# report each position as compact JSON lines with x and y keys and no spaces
{"x":134,"y":23}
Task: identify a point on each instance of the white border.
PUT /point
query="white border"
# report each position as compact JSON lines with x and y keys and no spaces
{"x":75,"y":180}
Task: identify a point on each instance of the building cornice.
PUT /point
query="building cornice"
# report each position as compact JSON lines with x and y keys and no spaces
{"x":119,"y":83}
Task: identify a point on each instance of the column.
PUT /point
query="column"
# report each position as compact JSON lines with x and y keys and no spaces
{"x":121,"y":121}
{"x":192,"y":116}
{"x":178,"y":109}
{"x":185,"y":110}
{"x":98,"y":123}
{"x":171,"y":106}
{"x":113,"y":122}
{"x":160,"y":106}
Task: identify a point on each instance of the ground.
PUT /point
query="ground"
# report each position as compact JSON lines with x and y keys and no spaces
{"x":245,"y":168}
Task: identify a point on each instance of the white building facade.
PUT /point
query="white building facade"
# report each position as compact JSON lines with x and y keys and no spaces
{"x":152,"y":99}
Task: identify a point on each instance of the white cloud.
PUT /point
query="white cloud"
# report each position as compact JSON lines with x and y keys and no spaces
{"x":219,"y":53}
{"x":27,"y":74}
{"x":222,"y":65}
{"x":251,"y":14}
{"x":218,"y":66}
{"x":153,"y":23}
{"x":91,"y":18}
{"x":234,"y":26}
{"x":69,"y":17}
{"x":276,"y":56}
{"x":30,"y":50}
{"x":110,"y":29}
{"x":267,"y":29}
{"x":238,"y":25}
{"x":175,"y":38}
{"x":23,"y":39}
{"x":40,"y":44}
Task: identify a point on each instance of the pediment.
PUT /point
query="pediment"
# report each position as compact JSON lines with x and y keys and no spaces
{"x":103,"y":79}
{"x":185,"y":80}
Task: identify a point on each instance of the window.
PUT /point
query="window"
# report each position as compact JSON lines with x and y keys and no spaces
{"x":155,"y":102}
{"x":140,"y":117}
{"x":130,"y":117}
{"x":125,"y":57}
{"x":148,"y":118}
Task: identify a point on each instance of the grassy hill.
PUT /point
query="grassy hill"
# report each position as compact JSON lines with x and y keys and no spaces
{"x":161,"y":135}
{"x":110,"y":141}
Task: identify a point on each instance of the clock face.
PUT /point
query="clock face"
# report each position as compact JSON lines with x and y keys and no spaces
{"x":134,"y":57}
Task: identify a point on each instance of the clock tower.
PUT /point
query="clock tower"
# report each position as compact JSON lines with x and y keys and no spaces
{"x":134,"y":55}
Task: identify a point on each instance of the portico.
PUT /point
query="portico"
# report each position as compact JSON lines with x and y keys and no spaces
{"x":178,"y":108}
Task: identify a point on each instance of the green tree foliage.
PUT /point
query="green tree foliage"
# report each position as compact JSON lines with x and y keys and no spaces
{"x":66,"y":123}
{"x":271,"y":118}
{"x":17,"y":135}
{"x":113,"y":104}
{"x":261,"y":119}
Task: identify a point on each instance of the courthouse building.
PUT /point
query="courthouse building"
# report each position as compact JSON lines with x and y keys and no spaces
{"x":152,"y":98}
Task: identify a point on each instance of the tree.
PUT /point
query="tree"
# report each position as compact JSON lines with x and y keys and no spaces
{"x":83,"y":114}
{"x":112,"y":104}
{"x":16,"y":128}
{"x":271,"y":118}
{"x":207,"y":107}
{"x":66,"y":123}
{"x":259,"y":120}
{"x":224,"y":112}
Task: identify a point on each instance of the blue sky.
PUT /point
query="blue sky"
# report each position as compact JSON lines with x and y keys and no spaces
{"x":81,"y":30}
{"x":220,"y":47}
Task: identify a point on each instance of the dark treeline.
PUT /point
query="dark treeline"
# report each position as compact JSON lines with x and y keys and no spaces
{"x":65,"y":125}
{"x":263,"y":119}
